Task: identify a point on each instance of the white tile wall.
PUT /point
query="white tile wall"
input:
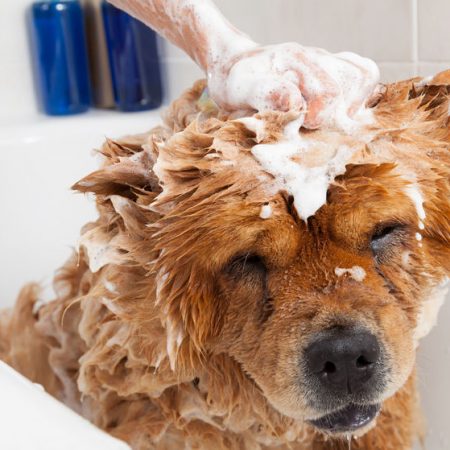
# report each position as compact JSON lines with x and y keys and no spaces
{"x":433,"y":29}
{"x":406,"y":37}
{"x":17,"y":97}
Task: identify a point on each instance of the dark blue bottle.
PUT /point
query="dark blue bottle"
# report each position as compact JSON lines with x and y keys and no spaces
{"x":61,"y":58}
{"x":134,"y":62}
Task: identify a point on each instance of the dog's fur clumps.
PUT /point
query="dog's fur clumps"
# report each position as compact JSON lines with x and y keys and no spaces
{"x":182,"y":319}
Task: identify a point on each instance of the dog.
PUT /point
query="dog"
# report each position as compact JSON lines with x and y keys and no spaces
{"x":201,"y":311}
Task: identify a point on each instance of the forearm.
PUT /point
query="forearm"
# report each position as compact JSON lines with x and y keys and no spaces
{"x":328,"y":89}
{"x":195,"y":26}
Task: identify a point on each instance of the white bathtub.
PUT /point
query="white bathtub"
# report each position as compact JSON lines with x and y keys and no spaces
{"x":33,"y":420}
{"x":41,"y":219}
{"x":40,"y":215}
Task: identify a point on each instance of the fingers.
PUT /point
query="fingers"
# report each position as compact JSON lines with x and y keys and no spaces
{"x":340,"y":88}
{"x":274,"y":94}
{"x":291,"y":77}
{"x":318,"y":86}
{"x":364,"y":75}
{"x":279,"y":95}
{"x":254,"y":82}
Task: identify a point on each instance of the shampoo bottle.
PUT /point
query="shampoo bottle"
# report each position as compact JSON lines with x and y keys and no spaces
{"x":57,"y":33}
{"x":134,"y":61}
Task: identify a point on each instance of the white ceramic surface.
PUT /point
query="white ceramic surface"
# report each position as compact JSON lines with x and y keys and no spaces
{"x":33,"y":420}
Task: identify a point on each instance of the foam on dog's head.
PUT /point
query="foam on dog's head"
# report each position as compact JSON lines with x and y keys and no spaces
{"x":305,"y":164}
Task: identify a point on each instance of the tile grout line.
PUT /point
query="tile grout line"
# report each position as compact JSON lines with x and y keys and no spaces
{"x":415,"y":36}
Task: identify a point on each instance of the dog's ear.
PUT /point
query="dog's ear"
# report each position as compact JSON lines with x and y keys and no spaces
{"x":129,"y":161}
{"x":185,"y":296}
{"x":195,"y":239}
{"x":435,"y":98}
{"x":127,"y":167}
{"x":415,"y":133}
{"x":436,"y":193}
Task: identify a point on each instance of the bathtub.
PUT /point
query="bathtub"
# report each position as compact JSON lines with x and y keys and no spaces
{"x":40,"y":216}
{"x":33,"y":420}
{"x":41,"y":219}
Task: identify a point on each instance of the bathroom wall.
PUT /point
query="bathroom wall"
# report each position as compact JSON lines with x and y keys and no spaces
{"x":405,"y":37}
{"x":40,"y":157}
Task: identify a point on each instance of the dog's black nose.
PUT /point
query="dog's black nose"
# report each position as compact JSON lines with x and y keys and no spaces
{"x":343,"y":360}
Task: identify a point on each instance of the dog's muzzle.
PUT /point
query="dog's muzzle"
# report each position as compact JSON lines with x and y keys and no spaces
{"x":344,"y":371}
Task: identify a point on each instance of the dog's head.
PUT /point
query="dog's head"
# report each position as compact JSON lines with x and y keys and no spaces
{"x":323,"y":314}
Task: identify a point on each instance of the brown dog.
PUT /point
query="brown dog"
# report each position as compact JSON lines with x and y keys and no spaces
{"x":200,"y":311}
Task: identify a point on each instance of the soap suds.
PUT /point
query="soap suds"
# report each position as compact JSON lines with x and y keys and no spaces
{"x":430,"y":308}
{"x":414,"y":193}
{"x":424,"y":81}
{"x":111,"y":287}
{"x":418,"y":237}
{"x":38,"y":304}
{"x":326,"y":90}
{"x":256,"y":125}
{"x":356,"y":272}
{"x":405,"y":259}
{"x":266,"y":211}
{"x":101,"y":249}
{"x":85,"y":183}
{"x":174,"y":338}
{"x":308,"y":185}
{"x":158,"y":361}
{"x":161,"y":278}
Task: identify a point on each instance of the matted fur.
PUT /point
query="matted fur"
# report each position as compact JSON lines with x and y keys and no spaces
{"x":140,"y":339}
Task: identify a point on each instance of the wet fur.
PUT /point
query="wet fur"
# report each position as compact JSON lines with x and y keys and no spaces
{"x":166,"y":347}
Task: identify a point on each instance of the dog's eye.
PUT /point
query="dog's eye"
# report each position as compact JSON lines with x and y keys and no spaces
{"x":385,"y":237}
{"x":247,"y":264}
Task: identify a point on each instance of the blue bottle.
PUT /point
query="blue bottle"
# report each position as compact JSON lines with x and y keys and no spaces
{"x":60,"y":55}
{"x":134,"y":61}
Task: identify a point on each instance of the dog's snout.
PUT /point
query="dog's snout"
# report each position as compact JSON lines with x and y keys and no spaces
{"x":344,"y":361}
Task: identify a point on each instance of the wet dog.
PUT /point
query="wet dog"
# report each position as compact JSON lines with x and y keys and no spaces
{"x":201,"y":311}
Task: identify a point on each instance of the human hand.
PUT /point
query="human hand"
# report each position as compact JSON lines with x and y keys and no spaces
{"x":328,"y":88}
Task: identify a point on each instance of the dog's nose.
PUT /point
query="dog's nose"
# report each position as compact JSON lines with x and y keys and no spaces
{"x":343,"y":360}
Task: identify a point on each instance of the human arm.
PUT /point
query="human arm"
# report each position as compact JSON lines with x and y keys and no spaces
{"x":243,"y":75}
